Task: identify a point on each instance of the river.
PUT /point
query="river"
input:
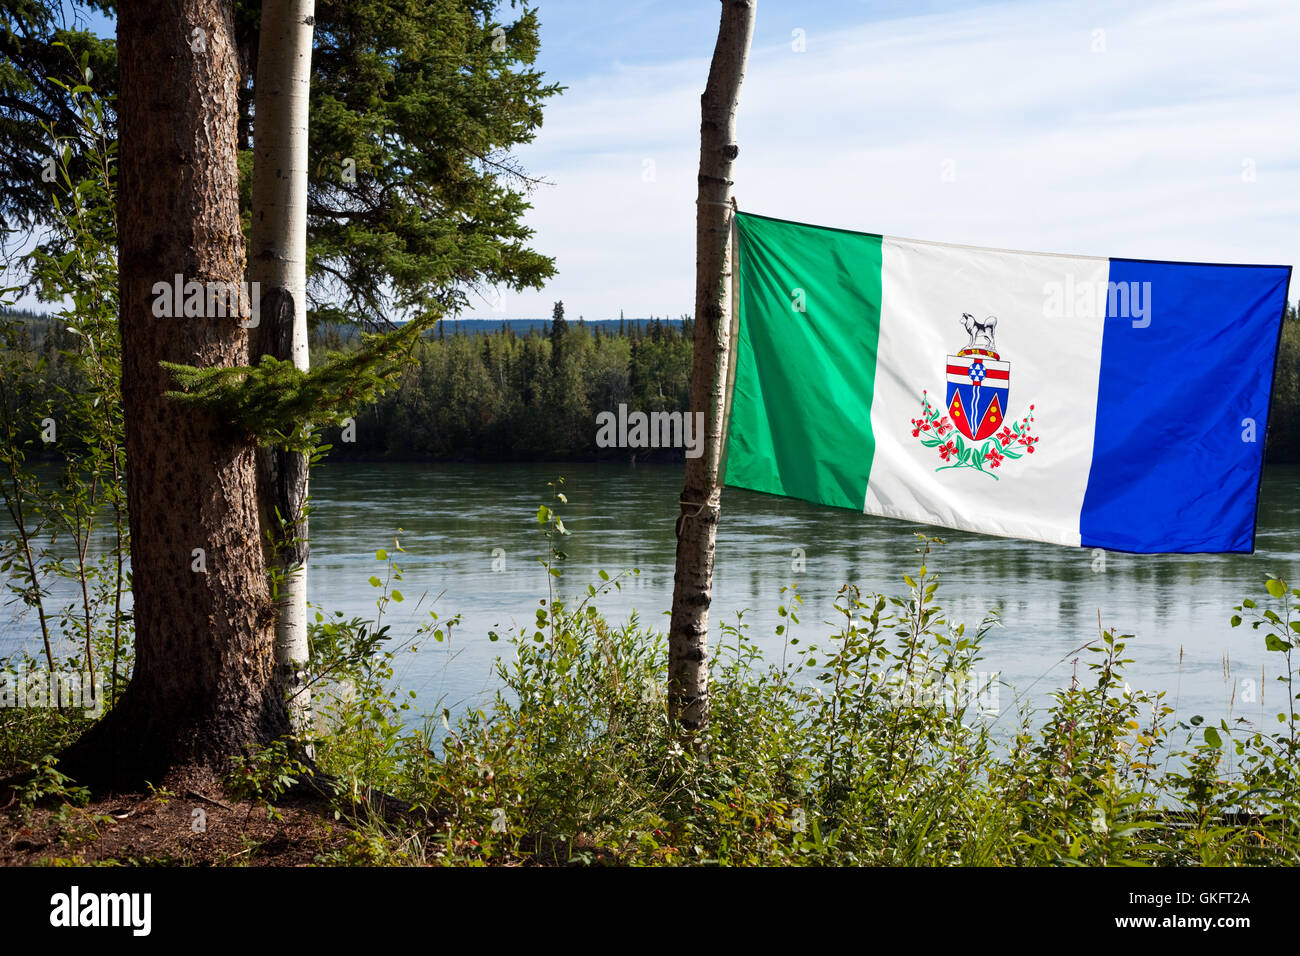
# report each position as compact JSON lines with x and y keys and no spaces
{"x":472,"y":545}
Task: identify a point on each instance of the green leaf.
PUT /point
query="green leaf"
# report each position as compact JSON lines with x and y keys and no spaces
{"x":397,"y":596}
{"x":1275,"y":643}
{"x":381,"y":555}
{"x":1275,"y":587}
{"x":1212,"y":737}
{"x":375,"y":582}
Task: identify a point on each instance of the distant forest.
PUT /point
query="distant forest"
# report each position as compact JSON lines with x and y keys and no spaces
{"x":525,"y":390}
{"x":507,"y":396}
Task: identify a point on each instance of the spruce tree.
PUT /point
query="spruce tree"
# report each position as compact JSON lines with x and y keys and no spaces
{"x":414,"y":196}
{"x":559,"y":330}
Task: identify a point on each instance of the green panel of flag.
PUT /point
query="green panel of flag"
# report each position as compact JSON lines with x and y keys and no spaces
{"x":806,"y":361}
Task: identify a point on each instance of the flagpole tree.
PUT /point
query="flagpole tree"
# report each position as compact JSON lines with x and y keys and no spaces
{"x":277,"y":264}
{"x":697,"y":525}
{"x":204,"y":683}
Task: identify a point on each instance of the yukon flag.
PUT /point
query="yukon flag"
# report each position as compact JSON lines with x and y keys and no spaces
{"x":1104,"y":403}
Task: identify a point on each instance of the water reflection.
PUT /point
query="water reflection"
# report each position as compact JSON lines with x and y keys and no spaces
{"x":461,"y":521}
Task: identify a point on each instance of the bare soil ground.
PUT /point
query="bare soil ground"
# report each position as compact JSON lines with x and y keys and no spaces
{"x":162,"y":828}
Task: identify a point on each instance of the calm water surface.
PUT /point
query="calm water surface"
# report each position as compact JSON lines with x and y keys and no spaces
{"x":455,"y":516}
{"x":473,"y":544}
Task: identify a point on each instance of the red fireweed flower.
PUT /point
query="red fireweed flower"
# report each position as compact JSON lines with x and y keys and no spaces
{"x":993,"y":458}
{"x":942,"y":425}
{"x":1005,"y":436}
{"x":947,"y":450}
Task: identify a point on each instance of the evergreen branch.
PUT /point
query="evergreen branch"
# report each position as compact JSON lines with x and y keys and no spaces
{"x":273,"y":400}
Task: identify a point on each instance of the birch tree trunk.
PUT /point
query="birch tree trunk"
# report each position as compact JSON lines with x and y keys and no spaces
{"x":277,"y":262}
{"x":697,"y":526}
{"x":203,"y":687}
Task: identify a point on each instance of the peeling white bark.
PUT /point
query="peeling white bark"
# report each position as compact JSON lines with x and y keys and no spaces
{"x":277,"y":260}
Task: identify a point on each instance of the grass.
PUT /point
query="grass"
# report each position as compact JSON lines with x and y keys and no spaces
{"x":866,"y":747}
{"x":869,"y":745}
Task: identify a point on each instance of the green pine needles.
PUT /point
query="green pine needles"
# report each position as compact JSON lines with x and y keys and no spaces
{"x":280,"y":405}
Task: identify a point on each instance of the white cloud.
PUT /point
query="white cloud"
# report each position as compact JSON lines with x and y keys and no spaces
{"x":1134,"y":151}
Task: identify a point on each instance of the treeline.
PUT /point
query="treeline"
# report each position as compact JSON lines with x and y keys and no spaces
{"x":509,"y":397}
{"x":504,"y":396}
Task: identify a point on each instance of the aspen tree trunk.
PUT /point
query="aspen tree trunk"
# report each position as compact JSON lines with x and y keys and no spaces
{"x":277,"y":262}
{"x":203,"y":687}
{"x":697,"y":526}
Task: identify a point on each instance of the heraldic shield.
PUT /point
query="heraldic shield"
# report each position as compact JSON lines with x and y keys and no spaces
{"x":978,"y":385}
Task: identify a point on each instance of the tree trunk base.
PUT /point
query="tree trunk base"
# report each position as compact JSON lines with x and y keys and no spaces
{"x":131,"y":747}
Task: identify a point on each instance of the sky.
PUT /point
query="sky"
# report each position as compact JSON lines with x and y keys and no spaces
{"x":1140,"y":128}
{"x":1164,"y":130}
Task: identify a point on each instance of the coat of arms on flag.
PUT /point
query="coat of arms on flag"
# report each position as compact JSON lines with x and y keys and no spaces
{"x":979,"y":382}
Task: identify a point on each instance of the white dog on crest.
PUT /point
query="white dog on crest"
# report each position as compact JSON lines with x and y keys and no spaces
{"x":981,"y":333}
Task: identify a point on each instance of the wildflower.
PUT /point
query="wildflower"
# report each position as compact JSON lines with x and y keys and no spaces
{"x":947,"y":450}
{"x":1005,"y":436}
{"x":993,"y":458}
